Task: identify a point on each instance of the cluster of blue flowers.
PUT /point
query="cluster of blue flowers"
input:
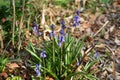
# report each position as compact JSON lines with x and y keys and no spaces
{"x":61,"y":38}
{"x":37,"y":69}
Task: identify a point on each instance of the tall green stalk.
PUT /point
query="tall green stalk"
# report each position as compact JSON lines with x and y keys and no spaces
{"x":13,"y":28}
{"x":61,"y":61}
{"x":21,"y":25}
{"x":53,"y":51}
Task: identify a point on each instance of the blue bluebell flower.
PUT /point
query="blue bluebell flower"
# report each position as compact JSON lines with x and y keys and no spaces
{"x":61,"y":39}
{"x":96,"y":55}
{"x":78,"y":62}
{"x":39,"y":33}
{"x":35,"y":27}
{"x":52,"y":27}
{"x":76,"y":19}
{"x":63,"y":24}
{"x":43,"y":54}
{"x":52,"y":34}
{"x":37,"y":70}
{"x":62,"y":32}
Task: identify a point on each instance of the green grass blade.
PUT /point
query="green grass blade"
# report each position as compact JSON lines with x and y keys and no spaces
{"x":33,"y":54}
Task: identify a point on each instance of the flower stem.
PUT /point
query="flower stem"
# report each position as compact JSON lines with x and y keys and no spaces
{"x":53,"y":51}
{"x":61,"y":61}
{"x":13,"y":28}
{"x":44,"y":66}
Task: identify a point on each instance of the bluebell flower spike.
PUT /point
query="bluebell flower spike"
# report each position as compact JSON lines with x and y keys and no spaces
{"x":37,"y":70}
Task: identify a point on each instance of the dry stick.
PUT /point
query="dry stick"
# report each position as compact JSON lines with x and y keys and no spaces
{"x":113,"y":54}
{"x":94,"y":36}
{"x":87,"y":52}
{"x":101,"y":28}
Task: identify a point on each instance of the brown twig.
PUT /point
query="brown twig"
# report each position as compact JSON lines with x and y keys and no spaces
{"x":101,"y":28}
{"x":87,"y":51}
{"x":113,"y":55}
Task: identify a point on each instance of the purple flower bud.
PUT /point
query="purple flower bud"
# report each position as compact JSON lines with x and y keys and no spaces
{"x":43,"y":54}
{"x":78,"y":12}
{"x":63,"y":24}
{"x":52,"y":27}
{"x":78,"y":63}
{"x":37,"y":70}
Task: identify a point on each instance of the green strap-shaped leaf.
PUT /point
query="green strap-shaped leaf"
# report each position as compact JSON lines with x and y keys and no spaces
{"x":33,"y":54}
{"x":54,"y":75}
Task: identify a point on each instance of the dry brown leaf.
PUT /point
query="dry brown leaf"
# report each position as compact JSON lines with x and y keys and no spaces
{"x":43,"y":16}
{"x":117,"y":41}
{"x":82,"y":19}
{"x":100,"y":45}
{"x":48,"y":78}
{"x":27,"y":34}
{"x":104,"y":73}
{"x":45,"y":34}
{"x":12,"y":65}
{"x":92,"y":17}
{"x":89,"y":31}
{"x":117,"y":75}
{"x":112,"y":28}
{"x":86,"y":25}
{"x":4,"y":74}
{"x":106,"y":36}
{"x":116,"y":3}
